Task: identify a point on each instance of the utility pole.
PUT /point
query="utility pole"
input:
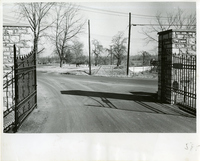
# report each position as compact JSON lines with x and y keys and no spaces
{"x":89,"y":47}
{"x":129,"y":37}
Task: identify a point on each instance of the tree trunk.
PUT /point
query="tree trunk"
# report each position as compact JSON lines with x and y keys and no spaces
{"x":35,"y":43}
{"x":96,"y":60}
{"x":118,"y":62}
{"x":61,"y":62}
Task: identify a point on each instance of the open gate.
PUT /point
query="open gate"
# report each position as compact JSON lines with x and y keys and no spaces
{"x":24,"y":91}
{"x":177,"y":68}
{"x":184,"y":81}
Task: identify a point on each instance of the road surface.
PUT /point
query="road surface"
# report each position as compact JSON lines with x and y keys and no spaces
{"x":87,"y":104}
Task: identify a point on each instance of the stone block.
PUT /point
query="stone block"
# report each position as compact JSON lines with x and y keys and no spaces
{"x":20,"y":45}
{"x":11,"y":49}
{"x":20,"y":31}
{"x":28,"y":44}
{"x":182,"y":41}
{"x":10,"y":60}
{"x":25,"y":51}
{"x":174,"y":46}
{"x":10,"y":45}
{"x":26,"y":37}
{"x":180,"y":36}
{"x":6,"y":53}
{"x":6,"y":37}
{"x":14,"y":39}
{"x":175,"y":50}
{"x":175,"y":40}
{"x":16,"y":31}
{"x":191,"y":52}
{"x":177,"y":32}
{"x":5,"y":60}
{"x":183,"y":50}
{"x":5,"y":42}
{"x":194,"y":47}
{"x":10,"y":32}
{"x":191,"y":41}
{"x":5,"y":49}
{"x":181,"y":45}
{"x":183,"y":33}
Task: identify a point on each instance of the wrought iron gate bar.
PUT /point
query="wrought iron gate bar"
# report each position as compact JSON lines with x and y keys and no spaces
{"x":184,"y":68}
{"x":24,"y":68}
{"x":6,"y":129}
{"x":8,"y":74}
{"x":25,"y":114}
{"x":24,"y":91}
{"x":27,"y":71}
{"x":5,"y":113}
{"x":26,"y":99}
{"x":8,"y":83}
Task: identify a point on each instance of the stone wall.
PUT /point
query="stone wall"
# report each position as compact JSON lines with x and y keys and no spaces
{"x":174,"y":43}
{"x":20,"y":36}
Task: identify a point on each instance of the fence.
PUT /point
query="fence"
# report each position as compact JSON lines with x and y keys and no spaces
{"x":184,"y":82}
{"x":8,"y":100}
{"x":23,"y":93}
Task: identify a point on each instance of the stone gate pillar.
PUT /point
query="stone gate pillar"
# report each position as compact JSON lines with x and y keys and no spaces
{"x":172,"y":42}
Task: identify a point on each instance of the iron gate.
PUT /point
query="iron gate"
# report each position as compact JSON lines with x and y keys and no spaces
{"x":24,"y":90}
{"x":184,"y":82}
{"x":8,"y":100}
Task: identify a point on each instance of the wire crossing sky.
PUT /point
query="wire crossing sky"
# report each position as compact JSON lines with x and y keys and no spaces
{"x":108,"y":18}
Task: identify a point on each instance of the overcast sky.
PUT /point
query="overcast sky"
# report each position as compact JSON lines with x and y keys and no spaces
{"x":107,"y":18}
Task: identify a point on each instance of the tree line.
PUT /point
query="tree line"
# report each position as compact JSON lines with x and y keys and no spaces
{"x":61,"y":24}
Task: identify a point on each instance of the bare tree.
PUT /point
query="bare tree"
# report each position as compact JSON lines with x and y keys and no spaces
{"x":145,"y":58}
{"x":36,"y":13}
{"x":77,"y":49}
{"x":68,"y":24}
{"x":110,"y":52}
{"x":119,"y":47}
{"x":97,"y":50}
{"x":177,"y":20}
{"x":68,"y":56}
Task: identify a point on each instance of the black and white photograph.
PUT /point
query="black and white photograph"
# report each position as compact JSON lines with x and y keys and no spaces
{"x":100,"y":69}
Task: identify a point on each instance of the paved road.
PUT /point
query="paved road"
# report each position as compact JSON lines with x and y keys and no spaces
{"x":69,"y":103}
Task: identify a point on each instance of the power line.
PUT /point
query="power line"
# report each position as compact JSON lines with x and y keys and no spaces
{"x":159,"y":25}
{"x":121,"y":13}
{"x":103,"y":13}
{"x":111,"y":12}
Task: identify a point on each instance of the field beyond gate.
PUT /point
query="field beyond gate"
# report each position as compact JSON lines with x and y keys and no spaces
{"x":20,"y":91}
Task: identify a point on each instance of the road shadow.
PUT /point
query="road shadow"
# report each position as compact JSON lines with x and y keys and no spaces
{"x":147,"y":97}
{"x":144,"y":99}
